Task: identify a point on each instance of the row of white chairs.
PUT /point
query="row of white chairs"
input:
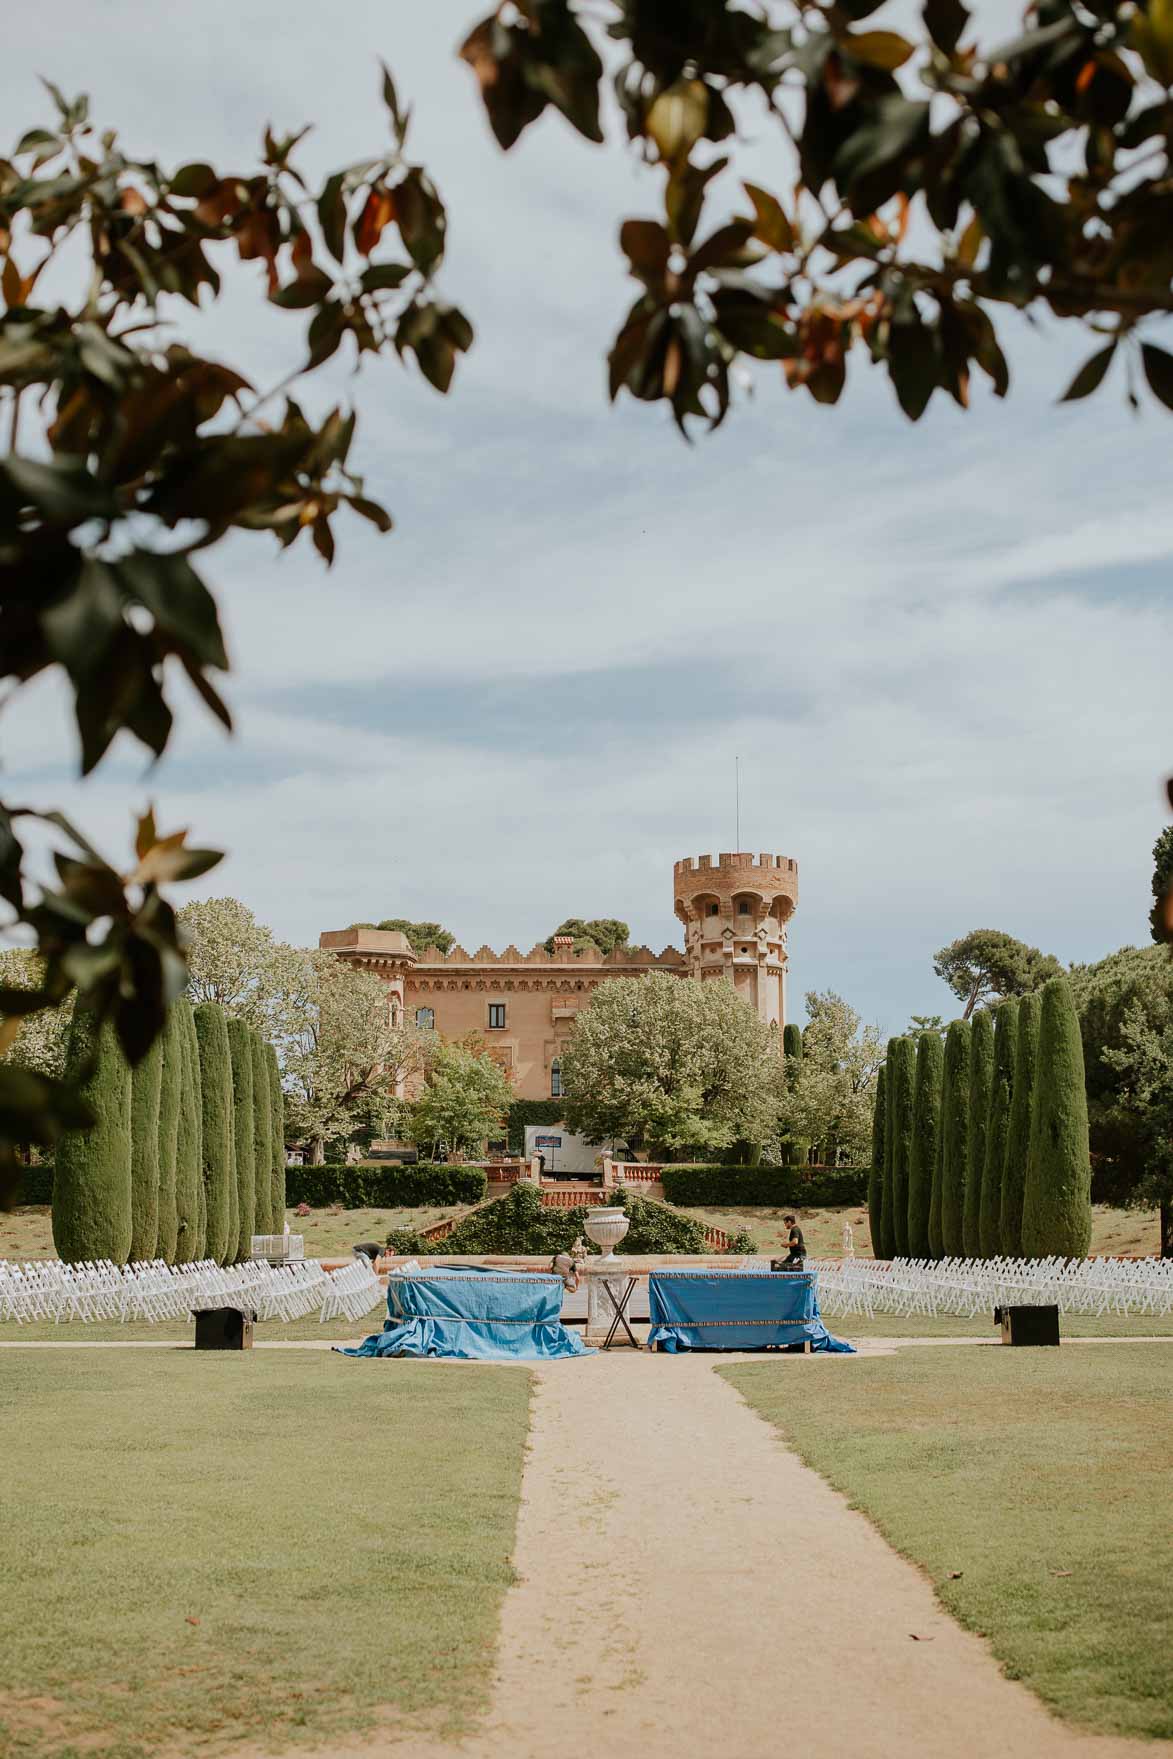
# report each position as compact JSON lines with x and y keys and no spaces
{"x":967,"y":1286}
{"x":49,"y":1290}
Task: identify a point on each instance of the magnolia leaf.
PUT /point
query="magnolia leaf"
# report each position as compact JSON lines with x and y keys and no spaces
{"x":770,"y":223}
{"x":886,"y":49}
{"x":1090,"y":375}
{"x":1158,"y":370}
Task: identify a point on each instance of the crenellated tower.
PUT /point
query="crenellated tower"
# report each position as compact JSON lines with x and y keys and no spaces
{"x":735,"y":910}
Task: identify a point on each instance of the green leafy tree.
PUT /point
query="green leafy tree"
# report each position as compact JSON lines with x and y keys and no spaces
{"x":276,"y":1141}
{"x":464,"y":1099}
{"x":997,"y":1129}
{"x":190,"y":1197}
{"x":830,"y":1098}
{"x":985,"y":965}
{"x":218,"y":1139}
{"x":605,"y":932}
{"x":1162,"y":884}
{"x":244,"y":1136}
{"x":262,"y":1142}
{"x":981,"y":1079}
{"x":672,"y":1064}
{"x":421,"y":935}
{"x":145,"y":1085}
{"x":902,"y":1062}
{"x":236,"y":962}
{"x":1056,"y":1205}
{"x":1143,"y":1064}
{"x":926,"y":1124}
{"x":1026,"y":1052}
{"x":876,"y":1170}
{"x":919,"y":1023}
{"x":953,"y":1150}
{"x":92,"y":1217}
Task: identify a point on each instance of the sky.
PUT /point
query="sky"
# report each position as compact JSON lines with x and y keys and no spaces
{"x":939,"y":651}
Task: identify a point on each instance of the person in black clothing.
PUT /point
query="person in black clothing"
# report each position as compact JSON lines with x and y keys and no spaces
{"x":796,"y":1259}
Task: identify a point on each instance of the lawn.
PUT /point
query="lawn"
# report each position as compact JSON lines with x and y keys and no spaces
{"x":203,"y":1549}
{"x":1126,"y":1232}
{"x":1034,"y":1489}
{"x":27,"y":1232}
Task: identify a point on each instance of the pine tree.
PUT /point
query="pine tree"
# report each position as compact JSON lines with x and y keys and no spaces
{"x":902,"y":1064}
{"x":240,"y":1051}
{"x":876,"y":1174}
{"x":953,"y":1153}
{"x":997,"y":1127}
{"x":189,"y":1142}
{"x":276,"y":1141}
{"x":926,"y":1112}
{"x":91,"y":1183}
{"x":219,"y":1167}
{"x":170,"y":1099}
{"x":981,"y":1079}
{"x":145,"y":1085}
{"x":262,"y":1140}
{"x":1018,"y":1125}
{"x":1057,"y":1204}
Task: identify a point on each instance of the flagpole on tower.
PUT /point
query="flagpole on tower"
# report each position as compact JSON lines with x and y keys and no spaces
{"x":737,"y":799}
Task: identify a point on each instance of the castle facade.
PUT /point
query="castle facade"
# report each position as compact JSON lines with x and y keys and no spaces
{"x":734,"y":908}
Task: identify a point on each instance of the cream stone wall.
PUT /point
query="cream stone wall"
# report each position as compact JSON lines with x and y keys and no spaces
{"x":744,"y":938}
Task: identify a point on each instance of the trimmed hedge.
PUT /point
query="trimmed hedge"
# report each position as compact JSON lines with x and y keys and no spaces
{"x":981,"y":1082}
{"x":701,"y":1187}
{"x":1018,"y":1124}
{"x":91,"y":1197}
{"x":240,"y":1051}
{"x":276,"y":1141}
{"x":426,"y":1185}
{"x":953,"y":1141}
{"x":262,"y":1143}
{"x":899,"y":1128}
{"x":170,"y":1100}
{"x":35,"y":1184}
{"x":926,"y":1118}
{"x":875,"y":1192}
{"x":145,"y":1083}
{"x":998,"y":1126}
{"x":219,"y":1148}
{"x":518,"y":1223}
{"x":191,"y":1204}
{"x":1056,"y":1205}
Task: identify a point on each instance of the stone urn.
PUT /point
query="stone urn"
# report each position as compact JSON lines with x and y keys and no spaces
{"x":606,"y":1227}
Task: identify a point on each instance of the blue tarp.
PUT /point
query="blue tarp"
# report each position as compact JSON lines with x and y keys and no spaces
{"x":737,"y":1310}
{"x":479,"y":1314}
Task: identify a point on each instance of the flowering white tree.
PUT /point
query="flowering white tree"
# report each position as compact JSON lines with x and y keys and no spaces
{"x":38,"y":1043}
{"x":831,"y":1092}
{"x":672,"y":1063}
{"x":236,"y":961}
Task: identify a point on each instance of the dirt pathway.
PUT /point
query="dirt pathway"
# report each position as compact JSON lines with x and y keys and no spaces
{"x":655,"y":1615}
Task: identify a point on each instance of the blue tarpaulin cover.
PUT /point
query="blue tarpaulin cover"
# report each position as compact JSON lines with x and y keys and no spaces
{"x":737,"y":1310}
{"x":480,"y":1314}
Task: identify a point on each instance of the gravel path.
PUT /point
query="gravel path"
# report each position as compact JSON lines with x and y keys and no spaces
{"x":687,"y":1586}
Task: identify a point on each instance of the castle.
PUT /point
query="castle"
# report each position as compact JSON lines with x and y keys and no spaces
{"x":734,"y":909}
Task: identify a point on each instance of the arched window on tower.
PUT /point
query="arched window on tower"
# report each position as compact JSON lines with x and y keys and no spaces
{"x":555,"y":1079}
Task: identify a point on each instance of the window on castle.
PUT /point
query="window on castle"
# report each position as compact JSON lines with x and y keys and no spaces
{"x":497,"y":1015}
{"x":555,"y":1079}
{"x":743,"y":907}
{"x":425,"y":1019}
{"x":714,"y":909}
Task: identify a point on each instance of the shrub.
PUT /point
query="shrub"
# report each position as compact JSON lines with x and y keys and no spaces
{"x":276,"y":1142}
{"x":262,"y":1143}
{"x":91,"y":1191}
{"x":190,"y":1213}
{"x":926,"y":1120}
{"x":219,"y":1145}
{"x":876,"y":1175}
{"x":997,"y":1127}
{"x":705,"y":1187}
{"x":145,"y":1084}
{"x":981,"y":1081}
{"x":35,"y":1183}
{"x":241,"y":1057}
{"x":899,"y":1128}
{"x":1056,"y":1204}
{"x":953,"y":1148}
{"x":1018,"y":1125}
{"x":170,"y":1099}
{"x":426,"y":1185}
{"x":519,"y":1224}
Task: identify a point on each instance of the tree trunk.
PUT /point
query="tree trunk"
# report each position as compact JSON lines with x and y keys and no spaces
{"x":318,"y":1151}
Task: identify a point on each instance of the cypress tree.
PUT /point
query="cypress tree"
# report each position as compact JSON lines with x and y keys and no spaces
{"x":189,"y":1150}
{"x":145,"y":1085}
{"x":1018,"y":1125}
{"x":1057,"y":1204}
{"x":887,"y":1231}
{"x":276,"y":1141}
{"x":91,"y":1183}
{"x":170,"y":1099}
{"x":981,"y":1080}
{"x":902,"y":1063}
{"x":262,"y":1143}
{"x":218,"y":1139}
{"x":793,"y":1151}
{"x":240,"y":1051}
{"x":926,"y":1115}
{"x":792,"y":1042}
{"x":953,"y":1152}
{"x":876,"y":1175}
{"x":997,"y":1126}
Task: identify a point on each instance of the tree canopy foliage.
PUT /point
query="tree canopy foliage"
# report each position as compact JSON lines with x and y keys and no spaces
{"x":830,"y":1094}
{"x":986,"y":964}
{"x":605,"y":932}
{"x":1159,"y":915}
{"x":421,"y":935}
{"x":464,"y":1099}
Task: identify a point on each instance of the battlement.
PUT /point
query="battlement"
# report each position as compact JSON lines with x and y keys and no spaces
{"x":377,"y":945}
{"x":740,"y":862}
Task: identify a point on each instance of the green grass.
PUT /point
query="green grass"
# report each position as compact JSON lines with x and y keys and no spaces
{"x":202,"y":1549}
{"x":27,"y":1233}
{"x":1071,"y":1325}
{"x":1126,"y":1232}
{"x":1043,"y":1477}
